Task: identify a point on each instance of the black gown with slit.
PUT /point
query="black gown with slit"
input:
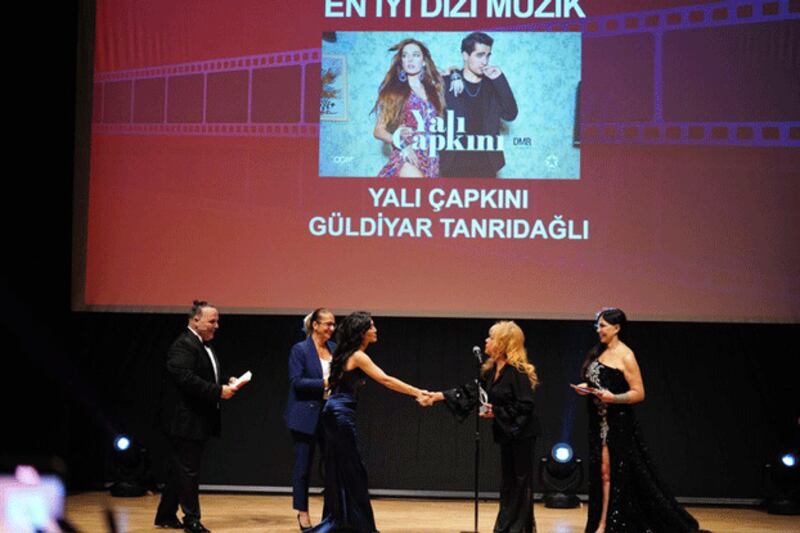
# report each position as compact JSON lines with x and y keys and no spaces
{"x":639,"y":500}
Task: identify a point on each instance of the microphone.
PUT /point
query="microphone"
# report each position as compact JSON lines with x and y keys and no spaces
{"x":478,"y":354}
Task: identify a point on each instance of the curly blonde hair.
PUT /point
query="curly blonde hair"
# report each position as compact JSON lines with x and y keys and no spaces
{"x":509,"y":339}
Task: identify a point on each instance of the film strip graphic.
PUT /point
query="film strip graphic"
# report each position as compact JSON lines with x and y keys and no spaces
{"x":679,"y":21}
{"x":278,"y":94}
{"x":267,"y":95}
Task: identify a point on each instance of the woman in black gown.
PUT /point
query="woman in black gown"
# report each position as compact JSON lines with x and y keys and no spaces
{"x":509,"y":380}
{"x":347,"y":504}
{"x":626,"y":494}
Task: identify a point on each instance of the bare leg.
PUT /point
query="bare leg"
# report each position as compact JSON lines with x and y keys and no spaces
{"x":605,"y":474}
{"x":303,"y":518}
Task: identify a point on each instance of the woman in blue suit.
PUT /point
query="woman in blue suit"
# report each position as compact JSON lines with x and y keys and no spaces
{"x":309,"y":369}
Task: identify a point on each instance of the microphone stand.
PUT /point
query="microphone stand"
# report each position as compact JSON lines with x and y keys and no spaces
{"x":477,"y":438}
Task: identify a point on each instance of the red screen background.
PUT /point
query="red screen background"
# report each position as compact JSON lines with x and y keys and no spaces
{"x":680,"y":228}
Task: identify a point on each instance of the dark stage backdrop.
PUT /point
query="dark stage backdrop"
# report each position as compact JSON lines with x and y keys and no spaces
{"x":719,"y":398}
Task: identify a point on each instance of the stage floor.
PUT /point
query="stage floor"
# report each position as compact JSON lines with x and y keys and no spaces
{"x":229,"y":513}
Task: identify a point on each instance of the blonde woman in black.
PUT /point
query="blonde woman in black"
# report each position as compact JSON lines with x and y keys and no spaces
{"x":509,"y":381}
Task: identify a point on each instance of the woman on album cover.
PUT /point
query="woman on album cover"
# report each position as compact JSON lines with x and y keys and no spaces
{"x":412,"y":88}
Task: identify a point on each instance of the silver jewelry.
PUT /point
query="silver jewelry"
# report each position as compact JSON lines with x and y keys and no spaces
{"x":466,"y":90}
{"x":593,"y":376}
{"x":402,"y":76}
{"x":622,"y":398}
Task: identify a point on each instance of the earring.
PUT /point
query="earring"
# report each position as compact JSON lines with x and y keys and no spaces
{"x":402,"y":76}
{"x":422,"y":74}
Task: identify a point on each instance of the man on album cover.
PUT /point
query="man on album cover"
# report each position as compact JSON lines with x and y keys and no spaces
{"x":485,"y":99}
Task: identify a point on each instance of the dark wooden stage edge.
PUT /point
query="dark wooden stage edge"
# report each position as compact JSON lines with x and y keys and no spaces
{"x":229,"y":513}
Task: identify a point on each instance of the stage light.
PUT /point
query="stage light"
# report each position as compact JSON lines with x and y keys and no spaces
{"x":562,"y":452}
{"x":782,"y":480}
{"x":130,"y":468}
{"x":122,"y":443}
{"x":560,"y":475}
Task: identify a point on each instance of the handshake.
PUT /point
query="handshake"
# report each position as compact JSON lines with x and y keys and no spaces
{"x":426,"y":398}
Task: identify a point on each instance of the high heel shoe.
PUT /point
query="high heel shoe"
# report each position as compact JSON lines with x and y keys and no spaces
{"x":303,"y":528}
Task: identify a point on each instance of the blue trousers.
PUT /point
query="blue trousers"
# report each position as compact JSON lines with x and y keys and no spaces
{"x":305,"y":446}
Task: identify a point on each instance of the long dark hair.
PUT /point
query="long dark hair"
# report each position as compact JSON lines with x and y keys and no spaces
{"x":393,"y":93}
{"x":349,"y":337}
{"x":615,"y":317}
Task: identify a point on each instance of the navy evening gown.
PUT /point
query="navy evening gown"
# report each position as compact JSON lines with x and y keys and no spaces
{"x":347,"y":504}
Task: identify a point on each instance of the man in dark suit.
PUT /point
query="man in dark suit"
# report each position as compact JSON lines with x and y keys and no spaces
{"x":190,"y":414}
{"x":486,"y":98}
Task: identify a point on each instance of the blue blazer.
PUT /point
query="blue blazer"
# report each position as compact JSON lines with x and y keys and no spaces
{"x":306,"y":387}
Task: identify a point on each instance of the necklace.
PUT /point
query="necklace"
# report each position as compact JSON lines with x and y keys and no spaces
{"x":466,"y":89}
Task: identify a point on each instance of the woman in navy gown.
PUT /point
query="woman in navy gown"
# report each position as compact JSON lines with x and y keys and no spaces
{"x":347,"y":503}
{"x":626,"y":495}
